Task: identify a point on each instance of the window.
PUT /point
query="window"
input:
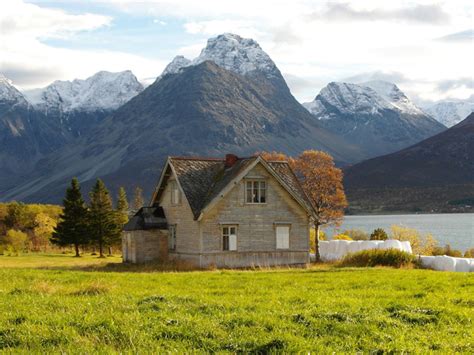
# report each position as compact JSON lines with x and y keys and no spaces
{"x":256,"y":191}
{"x":174,"y":193}
{"x":229,"y":238}
{"x":172,"y":237}
{"x":283,"y":237}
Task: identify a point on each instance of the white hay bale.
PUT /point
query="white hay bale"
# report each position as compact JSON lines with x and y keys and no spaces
{"x":406,"y":246}
{"x":368,"y":244}
{"x":462,"y":265}
{"x":391,"y":244}
{"x":427,"y":261}
{"x":444,"y":263}
{"x":341,"y":248}
{"x":353,"y":247}
{"x":472,"y":265}
{"x":332,"y":246}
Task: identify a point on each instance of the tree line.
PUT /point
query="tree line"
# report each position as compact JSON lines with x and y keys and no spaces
{"x":97,"y":224}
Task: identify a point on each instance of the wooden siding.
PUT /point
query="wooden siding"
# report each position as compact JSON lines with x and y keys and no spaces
{"x":256,"y":222}
{"x":187,"y":229}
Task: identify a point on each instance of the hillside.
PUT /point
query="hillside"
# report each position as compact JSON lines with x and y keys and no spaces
{"x":435,"y":174}
{"x":375,"y":116}
{"x":203,"y":110}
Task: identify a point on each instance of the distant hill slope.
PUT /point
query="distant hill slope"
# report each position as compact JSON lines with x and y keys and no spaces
{"x":437,"y":173}
{"x":450,"y":113}
{"x":202,"y":110}
{"x":375,"y":116}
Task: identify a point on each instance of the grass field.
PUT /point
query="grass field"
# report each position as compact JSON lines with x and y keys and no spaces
{"x":59,"y":303}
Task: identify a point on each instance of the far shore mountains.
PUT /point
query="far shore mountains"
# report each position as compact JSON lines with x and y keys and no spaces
{"x":232,"y":98}
{"x":435,"y":175}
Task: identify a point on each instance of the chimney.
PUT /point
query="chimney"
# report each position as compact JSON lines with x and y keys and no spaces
{"x":230,"y":160}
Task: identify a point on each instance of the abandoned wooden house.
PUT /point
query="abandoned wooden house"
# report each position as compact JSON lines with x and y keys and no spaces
{"x":232,"y":212}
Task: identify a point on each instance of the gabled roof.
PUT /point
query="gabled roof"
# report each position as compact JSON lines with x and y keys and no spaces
{"x":204,"y":180}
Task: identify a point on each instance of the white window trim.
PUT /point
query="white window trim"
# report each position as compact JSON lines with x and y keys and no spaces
{"x":174,"y":186}
{"x":282,"y":225}
{"x":252,"y":180}
{"x":236,"y":237}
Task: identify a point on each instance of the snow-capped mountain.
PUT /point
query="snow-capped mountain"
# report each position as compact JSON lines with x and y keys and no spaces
{"x":450,"y":113}
{"x":103,"y":91}
{"x":231,"y":52}
{"x":373,"y":98}
{"x":9,"y":93}
{"x":376,"y":116}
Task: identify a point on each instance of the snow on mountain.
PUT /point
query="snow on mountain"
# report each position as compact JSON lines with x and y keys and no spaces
{"x":369,"y":98}
{"x":395,"y":96}
{"x":10,"y":93}
{"x":450,"y":113}
{"x":231,"y":52}
{"x":101,"y":92}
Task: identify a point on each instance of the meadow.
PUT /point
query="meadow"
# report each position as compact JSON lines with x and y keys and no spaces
{"x":58,"y":303}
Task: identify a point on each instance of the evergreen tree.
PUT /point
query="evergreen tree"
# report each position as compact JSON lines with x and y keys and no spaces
{"x":122,"y":207}
{"x":137,"y":198}
{"x":104,"y":228}
{"x":72,"y":228}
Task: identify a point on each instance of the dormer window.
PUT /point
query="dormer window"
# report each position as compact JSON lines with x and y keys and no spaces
{"x":255,"y":191}
{"x":175,"y":195}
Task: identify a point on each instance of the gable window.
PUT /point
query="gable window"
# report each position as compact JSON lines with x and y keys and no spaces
{"x":255,"y":191}
{"x":282,"y":237}
{"x":229,"y":238}
{"x":175,"y":195}
{"x":172,"y":237}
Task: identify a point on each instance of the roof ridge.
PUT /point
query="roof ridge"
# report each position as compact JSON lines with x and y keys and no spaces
{"x":196,"y":158}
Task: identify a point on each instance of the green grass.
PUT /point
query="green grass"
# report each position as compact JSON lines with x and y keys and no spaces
{"x":61,"y":303}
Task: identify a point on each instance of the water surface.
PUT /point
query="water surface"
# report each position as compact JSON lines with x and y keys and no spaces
{"x":456,"y":229}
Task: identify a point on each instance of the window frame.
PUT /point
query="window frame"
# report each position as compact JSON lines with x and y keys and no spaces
{"x":260,"y":182}
{"x":172,"y":227}
{"x":282,"y":225}
{"x":175,"y":193}
{"x":226,"y":244}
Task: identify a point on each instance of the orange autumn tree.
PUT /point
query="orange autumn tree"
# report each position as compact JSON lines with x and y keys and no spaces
{"x":322,"y":182}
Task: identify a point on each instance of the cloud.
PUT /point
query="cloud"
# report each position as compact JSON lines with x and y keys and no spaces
{"x":392,"y":77}
{"x":216,"y":27}
{"x":464,"y":36}
{"x":30,"y":62}
{"x":446,"y":85}
{"x":431,"y":14}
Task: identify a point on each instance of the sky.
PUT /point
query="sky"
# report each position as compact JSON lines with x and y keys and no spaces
{"x":425,"y":47}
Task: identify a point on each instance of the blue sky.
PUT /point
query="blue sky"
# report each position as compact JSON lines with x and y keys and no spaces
{"x":424,"y":47}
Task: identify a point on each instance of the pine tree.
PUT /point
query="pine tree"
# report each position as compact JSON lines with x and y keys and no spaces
{"x":104,"y":228}
{"x":122,"y":207}
{"x":137,"y":198}
{"x":72,"y":228}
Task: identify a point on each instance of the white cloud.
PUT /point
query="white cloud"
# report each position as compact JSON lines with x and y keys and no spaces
{"x":30,"y":63}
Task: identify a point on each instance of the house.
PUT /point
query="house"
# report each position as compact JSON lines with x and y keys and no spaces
{"x":232,"y":212}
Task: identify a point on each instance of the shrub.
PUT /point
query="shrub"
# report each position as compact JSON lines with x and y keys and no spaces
{"x":341,"y":237}
{"x":447,"y":250}
{"x":469,"y":253}
{"x":357,"y":234}
{"x":379,"y":234}
{"x":378,"y":257}
{"x":423,"y":244}
{"x":16,"y":241}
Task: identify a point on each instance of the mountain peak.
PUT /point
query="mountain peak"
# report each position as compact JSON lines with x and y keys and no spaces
{"x":237,"y":54}
{"x":8,"y":92}
{"x":231,"y":52}
{"x":102,"y":91}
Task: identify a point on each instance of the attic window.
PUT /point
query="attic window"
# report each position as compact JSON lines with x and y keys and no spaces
{"x":255,"y":191}
{"x":175,"y":196}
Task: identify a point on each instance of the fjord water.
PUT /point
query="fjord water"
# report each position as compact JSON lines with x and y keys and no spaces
{"x":456,"y":229}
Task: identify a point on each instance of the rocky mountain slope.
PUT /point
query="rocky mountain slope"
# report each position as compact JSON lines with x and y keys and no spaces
{"x":206,"y":108}
{"x":25,"y":134}
{"x":375,"y":116}
{"x":435,"y":173}
{"x":450,"y":113}
{"x":79,"y":105}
